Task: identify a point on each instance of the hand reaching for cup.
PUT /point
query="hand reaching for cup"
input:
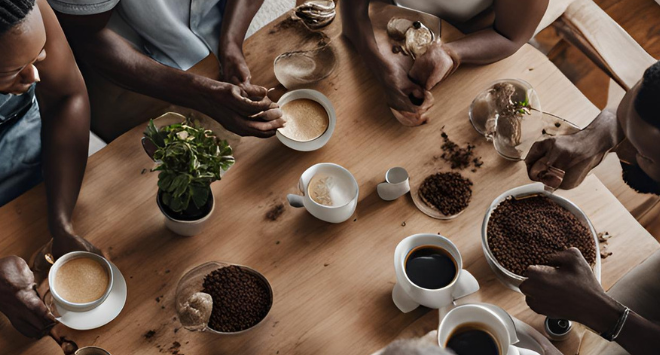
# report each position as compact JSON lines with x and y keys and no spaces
{"x":19,"y":300}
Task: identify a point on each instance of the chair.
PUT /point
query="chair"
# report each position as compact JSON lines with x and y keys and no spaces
{"x":583,"y":24}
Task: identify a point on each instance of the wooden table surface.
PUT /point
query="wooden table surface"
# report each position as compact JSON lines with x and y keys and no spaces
{"x":332,"y":283}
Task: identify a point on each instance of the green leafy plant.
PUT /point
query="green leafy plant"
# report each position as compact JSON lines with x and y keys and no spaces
{"x":189,"y":159}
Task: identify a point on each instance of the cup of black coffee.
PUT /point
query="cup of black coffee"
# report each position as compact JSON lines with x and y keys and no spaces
{"x":429,"y":272}
{"x":482,"y":329}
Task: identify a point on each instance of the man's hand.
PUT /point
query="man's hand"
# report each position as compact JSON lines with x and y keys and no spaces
{"x":66,"y":243}
{"x":576,"y":154}
{"x":234,"y":68}
{"x":433,"y":67}
{"x":245,"y":111}
{"x":409,"y":102}
{"x":568,"y":289}
{"x":19,"y":300}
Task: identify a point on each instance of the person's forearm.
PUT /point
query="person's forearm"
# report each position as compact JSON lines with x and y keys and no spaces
{"x":117,"y":61}
{"x":638,"y":335}
{"x":357,"y":27}
{"x":483,"y":47}
{"x":606,"y":130}
{"x":235,"y":23}
{"x":65,"y":142}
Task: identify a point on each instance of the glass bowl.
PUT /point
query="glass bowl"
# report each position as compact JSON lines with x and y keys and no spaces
{"x":512,"y":139}
{"x":192,"y":282}
{"x":508,"y":278}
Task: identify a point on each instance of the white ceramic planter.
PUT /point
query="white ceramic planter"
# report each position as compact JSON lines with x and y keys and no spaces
{"x":186,"y":228}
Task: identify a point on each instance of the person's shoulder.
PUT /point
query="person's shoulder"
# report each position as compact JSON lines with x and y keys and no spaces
{"x":82,"y":7}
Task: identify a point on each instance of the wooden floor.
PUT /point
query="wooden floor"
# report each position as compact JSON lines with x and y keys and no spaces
{"x":641,"y":19}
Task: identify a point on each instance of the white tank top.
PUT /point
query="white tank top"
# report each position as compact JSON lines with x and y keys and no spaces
{"x":454,"y":10}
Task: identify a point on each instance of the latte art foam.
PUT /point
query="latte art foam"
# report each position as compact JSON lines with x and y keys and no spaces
{"x":306,"y":120}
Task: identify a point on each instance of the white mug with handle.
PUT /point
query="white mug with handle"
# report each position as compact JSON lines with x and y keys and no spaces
{"x":494,"y":320}
{"x":344,"y":192}
{"x":407,"y":296}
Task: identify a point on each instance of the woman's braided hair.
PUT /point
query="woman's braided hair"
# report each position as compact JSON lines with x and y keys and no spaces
{"x":12,"y":12}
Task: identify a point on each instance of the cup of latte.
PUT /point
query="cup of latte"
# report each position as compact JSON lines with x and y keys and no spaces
{"x":480,"y":329}
{"x":330,"y":193}
{"x":80,"y":281}
{"x":310,"y":120}
{"x":429,"y":272}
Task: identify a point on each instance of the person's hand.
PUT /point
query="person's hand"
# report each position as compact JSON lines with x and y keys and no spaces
{"x":19,"y":300}
{"x":234,"y":68}
{"x":409,"y":102}
{"x":576,"y":154}
{"x":434,"y":66}
{"x":245,"y":111}
{"x":568,"y":289}
{"x":65,"y":242}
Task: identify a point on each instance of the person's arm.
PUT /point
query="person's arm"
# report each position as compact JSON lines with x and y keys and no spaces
{"x":515,"y":23}
{"x":116,"y":60}
{"x":399,"y":89}
{"x":64,"y":106}
{"x":576,"y":154}
{"x":235,"y":23}
{"x":568,"y":289}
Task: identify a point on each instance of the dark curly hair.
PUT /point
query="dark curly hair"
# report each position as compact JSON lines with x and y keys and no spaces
{"x":647,"y":102}
{"x":12,"y":12}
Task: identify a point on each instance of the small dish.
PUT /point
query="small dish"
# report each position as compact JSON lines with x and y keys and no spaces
{"x":415,"y":183}
{"x":319,"y":142}
{"x":99,"y":316}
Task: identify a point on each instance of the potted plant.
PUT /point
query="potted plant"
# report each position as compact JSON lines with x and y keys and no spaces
{"x":189,"y":158}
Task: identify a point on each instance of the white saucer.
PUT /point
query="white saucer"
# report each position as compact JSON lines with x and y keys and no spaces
{"x":101,"y":315}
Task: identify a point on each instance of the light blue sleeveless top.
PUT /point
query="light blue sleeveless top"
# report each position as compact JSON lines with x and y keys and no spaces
{"x":20,"y":144}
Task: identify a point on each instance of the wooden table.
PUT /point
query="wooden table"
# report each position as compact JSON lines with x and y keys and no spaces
{"x":332,"y":283}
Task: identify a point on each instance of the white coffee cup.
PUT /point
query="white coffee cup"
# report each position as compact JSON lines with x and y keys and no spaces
{"x":494,"y":320}
{"x":342,"y":180}
{"x":72,"y":306}
{"x":407,"y":296}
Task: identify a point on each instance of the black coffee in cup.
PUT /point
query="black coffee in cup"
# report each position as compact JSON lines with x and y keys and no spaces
{"x":470,"y":339}
{"x":430,"y":267}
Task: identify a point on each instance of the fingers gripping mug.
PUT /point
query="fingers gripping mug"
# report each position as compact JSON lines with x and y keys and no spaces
{"x":429,"y":272}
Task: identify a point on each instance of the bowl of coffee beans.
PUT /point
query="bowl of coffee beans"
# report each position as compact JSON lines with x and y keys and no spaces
{"x":527,"y":225}
{"x":223,"y":298}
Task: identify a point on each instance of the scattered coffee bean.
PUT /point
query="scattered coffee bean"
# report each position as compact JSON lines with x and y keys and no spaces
{"x":557,"y":124}
{"x":240,"y":299}
{"x":149,"y":334}
{"x":275,"y":212}
{"x":450,"y":193}
{"x":403,"y":224}
{"x":527,"y":231}
{"x":459,"y":158}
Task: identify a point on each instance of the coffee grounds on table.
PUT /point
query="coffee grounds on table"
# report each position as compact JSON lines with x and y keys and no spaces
{"x":527,"y":231}
{"x":459,"y":158}
{"x":240,"y":299}
{"x":450,"y":193}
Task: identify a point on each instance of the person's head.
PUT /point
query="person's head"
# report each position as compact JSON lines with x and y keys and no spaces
{"x":22,"y":42}
{"x":639,"y":116}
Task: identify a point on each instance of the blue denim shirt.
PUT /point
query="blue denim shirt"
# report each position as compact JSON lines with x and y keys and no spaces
{"x":20,"y":144}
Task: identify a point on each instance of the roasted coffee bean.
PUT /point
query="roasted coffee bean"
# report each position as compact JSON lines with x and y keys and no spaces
{"x":240,"y":299}
{"x":459,"y":158}
{"x":450,"y":193}
{"x":527,"y":231}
